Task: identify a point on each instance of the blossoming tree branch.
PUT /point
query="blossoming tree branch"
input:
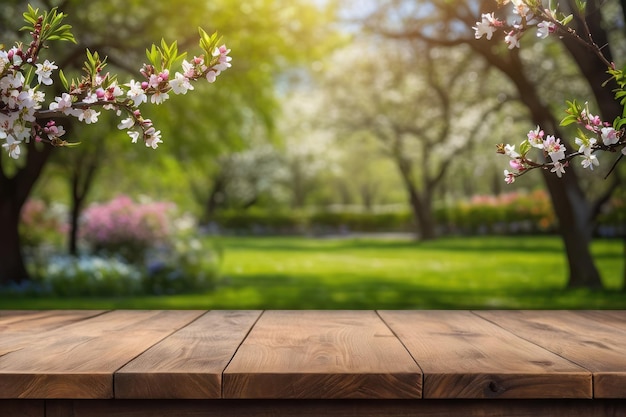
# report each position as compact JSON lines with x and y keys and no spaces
{"x":594,"y":134}
{"x":22,"y":76}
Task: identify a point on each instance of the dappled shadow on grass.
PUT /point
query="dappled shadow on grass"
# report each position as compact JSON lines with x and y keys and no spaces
{"x":365,"y":273}
{"x":288,"y":292}
{"x":287,"y":244}
{"x":272,"y":292}
{"x":481,"y":243}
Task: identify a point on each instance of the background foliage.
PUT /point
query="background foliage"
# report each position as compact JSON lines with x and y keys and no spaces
{"x":325,"y":125}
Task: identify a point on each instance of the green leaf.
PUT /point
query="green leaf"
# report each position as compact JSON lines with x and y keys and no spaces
{"x":568,"y":120}
{"x":619,"y":123}
{"x":31,"y":15}
{"x":208,"y":42}
{"x":553,"y":5}
{"x":177,"y":62}
{"x":525,"y":147}
{"x":64,"y":80}
{"x":150,"y":55}
{"x":29,"y":76}
{"x":582,"y":135}
{"x":566,"y":20}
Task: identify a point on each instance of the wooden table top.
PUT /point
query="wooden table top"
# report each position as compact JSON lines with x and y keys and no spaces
{"x":276,"y":354}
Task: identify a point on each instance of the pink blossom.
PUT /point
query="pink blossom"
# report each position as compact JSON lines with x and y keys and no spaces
{"x":512,"y":39}
{"x":589,"y":161}
{"x":62,"y":104}
{"x":180,"y":84}
{"x":509,"y":177}
{"x":87,"y":115}
{"x":558,"y":168}
{"x":44,"y":71}
{"x":545,"y":28}
{"x":554,"y":148}
{"x":517,"y":164}
{"x":535,"y":138}
{"x":487,"y":26}
{"x":137,"y":92}
{"x":211,"y":76}
{"x":609,"y":136}
{"x":158,"y":97}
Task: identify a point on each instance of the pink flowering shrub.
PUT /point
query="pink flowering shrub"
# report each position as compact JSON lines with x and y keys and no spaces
{"x":126,"y":228}
{"x":507,"y":213}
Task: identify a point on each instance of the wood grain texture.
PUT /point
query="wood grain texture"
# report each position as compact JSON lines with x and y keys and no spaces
{"x":35,"y":321}
{"x":23,"y":328}
{"x":313,"y":357}
{"x":336,"y":408}
{"x":190,"y":362}
{"x":464,"y":356}
{"x":321,"y":354}
{"x":79,"y":361}
{"x":594,"y":340}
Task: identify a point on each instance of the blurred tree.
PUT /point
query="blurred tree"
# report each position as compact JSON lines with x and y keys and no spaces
{"x":448,"y":24}
{"x":423,"y":105}
{"x":308,"y":146}
{"x":266,"y":37}
{"x":273,"y":40}
{"x":367,"y":176}
{"x":245,"y":178}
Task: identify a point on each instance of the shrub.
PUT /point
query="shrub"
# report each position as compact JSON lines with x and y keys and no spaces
{"x":255,"y":221}
{"x":41,"y":224}
{"x":507,"y":213}
{"x":133,"y":248}
{"x":186,"y":265}
{"x":124,"y":228}
{"x":89,"y":276}
{"x":612,"y":220}
{"x":358,"y":221}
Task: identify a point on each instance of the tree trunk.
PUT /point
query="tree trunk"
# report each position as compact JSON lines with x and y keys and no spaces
{"x":82,"y":178}
{"x":75,"y":210}
{"x":13,"y":194}
{"x":420,"y":205}
{"x":212,"y":202}
{"x":570,"y":205}
{"x":12,"y":268}
{"x":424,"y":214}
{"x":575,"y":228}
{"x":297,"y":187}
{"x":367,"y":196}
{"x":624,"y":267}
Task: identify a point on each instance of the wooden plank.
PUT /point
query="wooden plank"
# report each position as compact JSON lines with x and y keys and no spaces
{"x":25,"y":328}
{"x":464,"y":356}
{"x":78,"y":360}
{"x":37,"y":321}
{"x":321,"y":354}
{"x":189,"y":363}
{"x":335,"y":408}
{"x":593,"y":340}
{"x":614,"y":318}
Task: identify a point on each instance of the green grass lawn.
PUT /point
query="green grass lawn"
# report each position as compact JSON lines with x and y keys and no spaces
{"x":451,"y":273}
